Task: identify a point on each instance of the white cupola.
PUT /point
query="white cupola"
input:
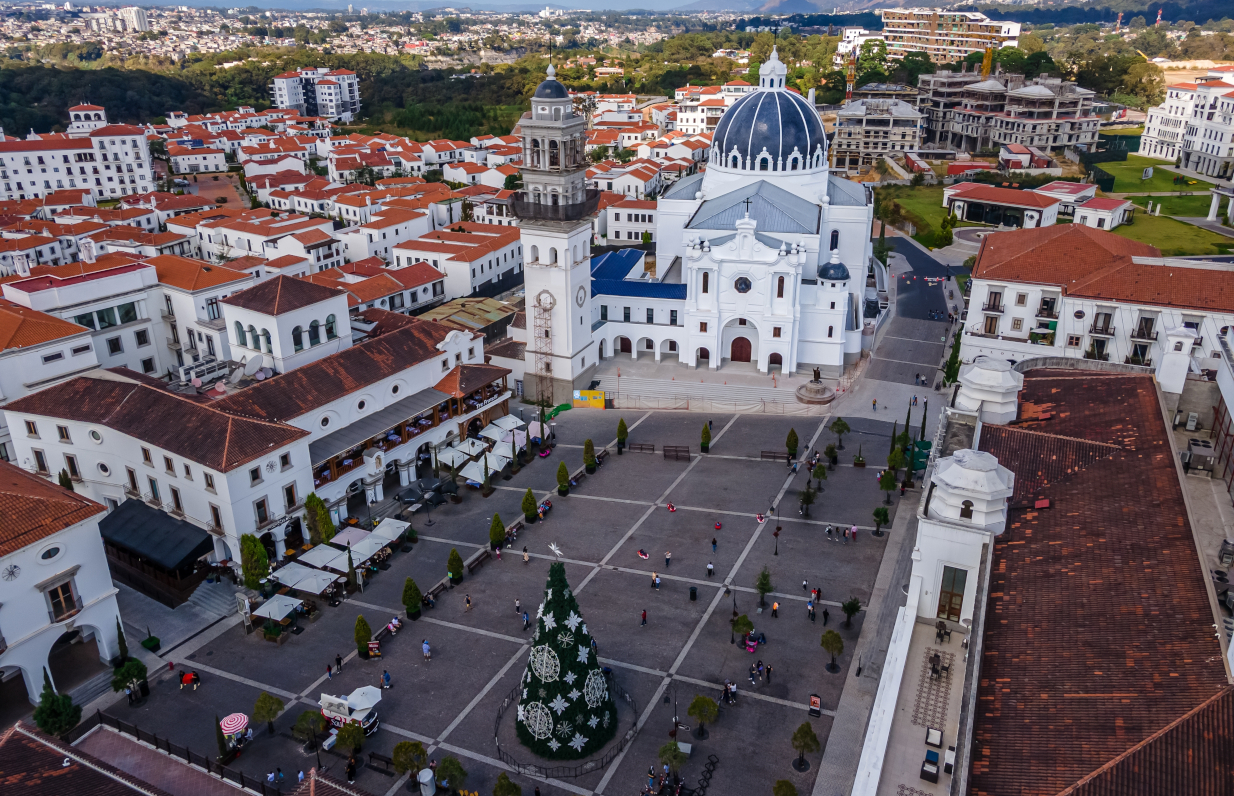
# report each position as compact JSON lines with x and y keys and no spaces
{"x":990,"y":387}
{"x":972,"y":488}
{"x":772,"y":73}
{"x":1175,"y":358}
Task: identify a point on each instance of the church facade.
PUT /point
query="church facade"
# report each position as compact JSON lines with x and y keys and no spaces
{"x":764,"y":258}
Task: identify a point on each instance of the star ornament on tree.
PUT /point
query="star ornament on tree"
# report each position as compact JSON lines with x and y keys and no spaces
{"x":559,"y":705}
{"x":573,"y":620}
{"x":556,"y":550}
{"x":582,"y":654}
{"x":578,"y":742}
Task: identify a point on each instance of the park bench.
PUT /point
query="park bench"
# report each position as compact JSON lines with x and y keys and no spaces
{"x":436,"y":591}
{"x":478,"y":560}
{"x":601,"y":455}
{"x":774,"y":456}
{"x":382,"y":632}
{"x":387,"y":764}
{"x":677,"y":452}
{"x":514,"y":528}
{"x":642,"y":447}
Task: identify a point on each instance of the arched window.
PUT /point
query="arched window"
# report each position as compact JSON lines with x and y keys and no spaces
{"x":535,"y":153}
{"x":575,"y":260}
{"x":552,"y":256}
{"x":794,"y":162}
{"x":535,"y":254}
{"x":835,"y":239}
{"x":297,"y":338}
{"x":554,"y":157}
{"x":265,"y":335}
{"x":736,"y":162}
{"x":240,"y":338}
{"x":966,"y":510}
{"x":830,"y":330}
{"x":705,"y":280}
{"x":556,"y":114}
{"x":253,"y":338}
{"x":331,"y":328}
{"x":780,"y":287}
{"x":314,"y":333}
{"x":764,"y":163}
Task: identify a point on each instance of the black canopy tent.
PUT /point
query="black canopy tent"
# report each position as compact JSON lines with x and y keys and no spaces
{"x":154,"y":552}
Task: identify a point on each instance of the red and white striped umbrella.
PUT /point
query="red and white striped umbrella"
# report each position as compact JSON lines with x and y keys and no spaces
{"x":234,"y":723}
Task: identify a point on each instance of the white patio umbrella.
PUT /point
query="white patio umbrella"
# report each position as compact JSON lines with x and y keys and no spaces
{"x":366,"y":696}
{"x":518,"y":435}
{"x":365,"y":549}
{"x":320,"y":556}
{"x":508,"y":422}
{"x":493,"y":432}
{"x":474,"y":471}
{"x":314,"y":581}
{"x":390,"y":529}
{"x":496,"y":462}
{"x":536,"y":429}
{"x":452,"y":457}
{"x":472,"y":447}
{"x":277,"y":607}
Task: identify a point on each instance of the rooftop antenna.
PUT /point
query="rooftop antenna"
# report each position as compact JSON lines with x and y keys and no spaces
{"x":1157,"y":24}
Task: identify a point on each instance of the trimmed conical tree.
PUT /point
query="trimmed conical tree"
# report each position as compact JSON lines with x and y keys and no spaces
{"x":565,"y":710}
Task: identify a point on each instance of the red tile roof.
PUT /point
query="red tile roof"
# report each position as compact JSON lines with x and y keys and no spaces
{"x":21,"y":326}
{"x":463,"y":380}
{"x":34,"y":509}
{"x":1098,"y":629}
{"x":280,"y":294}
{"x":32,"y":764}
{"x":1104,"y":203}
{"x":190,"y":274}
{"x":1008,"y":196}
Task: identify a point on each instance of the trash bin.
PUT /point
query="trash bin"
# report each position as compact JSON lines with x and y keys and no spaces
{"x":144,"y":688}
{"x":693,"y":593}
{"x":428,"y":785}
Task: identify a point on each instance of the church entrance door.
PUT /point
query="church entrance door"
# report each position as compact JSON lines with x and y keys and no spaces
{"x":740,"y":351}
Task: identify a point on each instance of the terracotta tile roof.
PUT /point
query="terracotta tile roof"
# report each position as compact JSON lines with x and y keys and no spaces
{"x":33,"y":509}
{"x":189,"y":274}
{"x":416,"y":275}
{"x":316,"y":784}
{"x":508,"y":348}
{"x":1098,"y":629}
{"x":1007,"y":196}
{"x":201,"y":433}
{"x":21,"y":326}
{"x":1104,"y":203}
{"x":1043,"y":458}
{"x":32,"y":764}
{"x":314,"y":385}
{"x":463,"y":380}
{"x":280,"y":294}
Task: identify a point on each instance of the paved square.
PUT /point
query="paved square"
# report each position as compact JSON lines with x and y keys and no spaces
{"x":451,"y":702}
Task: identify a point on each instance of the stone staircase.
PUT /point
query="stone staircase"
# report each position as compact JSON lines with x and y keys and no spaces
{"x":92,"y":689}
{"x":216,"y":599}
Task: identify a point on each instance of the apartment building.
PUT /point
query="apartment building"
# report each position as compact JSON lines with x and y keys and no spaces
{"x":317,"y":91}
{"x":870,"y":129}
{"x":187,"y":160}
{"x":112,"y":161}
{"x":630,"y":219}
{"x":946,"y":35}
{"x":483,"y":256}
{"x":1187,"y":108}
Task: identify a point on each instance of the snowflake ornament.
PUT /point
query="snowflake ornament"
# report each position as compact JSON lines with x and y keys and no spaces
{"x":582,"y":654}
{"x":552,"y":744}
{"x":573,"y":620}
{"x":570,"y":678}
{"x":538,"y":720}
{"x":593,"y":721}
{"x":565,"y":639}
{"x":578,"y":742}
{"x":545,"y":663}
{"x":558,"y":704}
{"x":564,"y":729}
{"x":520,"y":710}
{"x":574,"y":694}
{"x":595,"y":690}
{"x":549,"y":621}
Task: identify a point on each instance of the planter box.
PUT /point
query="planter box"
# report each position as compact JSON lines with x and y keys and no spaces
{"x":704,"y":448}
{"x":530,"y":520}
{"x":859,"y":464}
{"x":413,"y":616}
{"x":562,"y":491}
{"x":151,"y":644}
{"x":456,"y":580}
{"x":313,"y":617}
{"x":590,"y":469}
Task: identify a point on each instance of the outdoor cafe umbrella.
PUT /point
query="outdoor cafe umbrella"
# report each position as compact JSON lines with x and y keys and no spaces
{"x":536,"y":430}
{"x":364,"y":697}
{"x":452,"y":457}
{"x":474,"y":472}
{"x":276,"y":608}
{"x":518,"y":435}
{"x":496,"y":462}
{"x":312,"y":581}
{"x":350,"y":537}
{"x":235,"y":723}
{"x":471,"y":447}
{"x":492,"y":431}
{"x":508,"y":422}
{"x":390,"y":529}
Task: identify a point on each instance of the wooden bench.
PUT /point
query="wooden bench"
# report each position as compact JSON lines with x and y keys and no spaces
{"x":382,"y":633}
{"x":478,"y":560}
{"x":601,"y":455}
{"x":387,"y":763}
{"x":642,"y":447}
{"x":774,"y":456}
{"x":515,"y":527}
{"x":435,"y":592}
{"x":677,"y":452}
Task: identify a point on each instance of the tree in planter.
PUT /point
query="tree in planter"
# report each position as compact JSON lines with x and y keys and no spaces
{"x":563,"y":478}
{"x":565,"y":709}
{"x":317,"y":518}
{"x":124,"y":644}
{"x":706,"y":441}
{"x":496,"y":532}
{"x":350,"y":736}
{"x":454,"y":564}
{"x":783,"y":788}
{"x":670,"y":754}
{"x":887,"y":483}
{"x":807,"y":497}
{"x":219,"y":737}
{"x":704,"y":710}
{"x":529,"y":506}
{"x":742,"y":625}
{"x":56,"y":713}
{"x":254,"y":565}
{"x":834,"y":646}
{"x":805,"y":742}
{"x":310,"y":723}
{"x":623,"y":434}
{"x":791,"y":443}
{"x":451,"y":773}
{"x":129,"y":675}
{"x":763,"y":585}
{"x":412,"y":598}
{"x":819,"y":473}
{"x":859,"y":459}
{"x":850,"y":607}
{"x":881,"y":517}
{"x":65,"y":481}
{"x":506,"y":786}
{"x":839,"y":428}
{"x":409,"y":756}
{"x":831,"y":455}
{"x":589,"y":455}
{"x":267,"y":709}
{"x":364,"y":634}
{"x":895,"y":460}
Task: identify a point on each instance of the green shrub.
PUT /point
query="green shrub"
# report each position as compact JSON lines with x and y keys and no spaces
{"x":412,"y":598}
{"x":254,"y":564}
{"x":454,"y":564}
{"x":364,"y":634}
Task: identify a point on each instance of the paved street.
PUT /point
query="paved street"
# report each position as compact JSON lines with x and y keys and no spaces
{"x":451,"y":702}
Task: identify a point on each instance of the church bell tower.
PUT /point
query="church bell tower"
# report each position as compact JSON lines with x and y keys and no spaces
{"x":555,"y":211}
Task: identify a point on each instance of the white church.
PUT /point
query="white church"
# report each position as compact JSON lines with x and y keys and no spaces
{"x":764,"y":258}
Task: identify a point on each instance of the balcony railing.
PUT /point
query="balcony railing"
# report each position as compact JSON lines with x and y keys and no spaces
{"x":1047,"y":314}
{"x":1103,"y":331}
{"x":1143,"y":334}
{"x":524,"y":208}
{"x":1090,"y":354}
{"x":1147,"y":363}
{"x":67,"y":612}
{"x":992,"y":307}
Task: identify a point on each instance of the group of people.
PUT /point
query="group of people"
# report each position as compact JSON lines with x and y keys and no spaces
{"x":837,"y":534}
{"x":758,"y":672}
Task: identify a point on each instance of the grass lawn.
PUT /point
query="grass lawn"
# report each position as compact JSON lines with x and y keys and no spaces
{"x":1125,"y":131}
{"x":923,"y":205}
{"x":1127,"y":176}
{"x":1186,"y":206}
{"x":1174,"y":238}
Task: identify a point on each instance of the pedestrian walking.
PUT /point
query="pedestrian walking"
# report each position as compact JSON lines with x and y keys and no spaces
{"x":467,"y":602}
{"x":713,"y":544}
{"x":655,"y":579}
{"x":644,"y":617}
{"x":760,"y":670}
{"x":526,"y":620}
{"x":300,"y":776}
{"x":351,"y":770}
{"x":526,"y":558}
{"x":874,"y":404}
{"x":753,"y":673}
{"x":279,"y":778}
{"x":428,"y":653}
{"x":518,"y":606}
{"x":709,"y":425}
{"x":338,"y":663}
{"x":329,"y":672}
{"x":809,"y":607}
{"x":829,"y":533}
{"x":854,"y":534}
{"x":385,"y":679}
{"x":711,"y":570}
{"x":768,"y":673}
{"x":775,"y":609}
{"x":846,"y":536}
{"x":826,"y":616}
{"x":270,"y":777}
{"x":804,"y":585}
{"x":668,"y":558}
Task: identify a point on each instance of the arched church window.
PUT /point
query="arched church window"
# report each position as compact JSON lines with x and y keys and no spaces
{"x":314,"y":335}
{"x":830,"y":331}
{"x":535,"y":254}
{"x":297,"y":339}
{"x":705,"y":281}
{"x":552,"y":256}
{"x":835,"y":239}
{"x":736,"y":161}
{"x":780,"y":287}
{"x":240,"y":338}
{"x":554,"y":157}
{"x":764,"y":163}
{"x":265,"y":335}
{"x":966,"y":510}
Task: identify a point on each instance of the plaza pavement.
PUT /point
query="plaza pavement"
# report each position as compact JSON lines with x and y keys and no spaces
{"x":450,"y":703}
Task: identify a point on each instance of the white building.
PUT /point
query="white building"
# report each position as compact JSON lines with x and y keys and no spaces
{"x":187,"y":160}
{"x":112,"y":161}
{"x":55,"y":587}
{"x":1104,"y":213}
{"x":763,"y":259}
{"x":1172,"y":124}
{"x":317,"y":91}
{"x":290,"y":321}
{"x":482,"y":256}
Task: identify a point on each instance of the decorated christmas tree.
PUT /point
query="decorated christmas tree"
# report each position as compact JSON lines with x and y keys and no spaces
{"x":565,"y":710}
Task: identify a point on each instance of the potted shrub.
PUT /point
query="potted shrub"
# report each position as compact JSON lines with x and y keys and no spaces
{"x":833,"y":457}
{"x":529,"y":507}
{"x":563,"y":480}
{"x":412,"y":599}
{"x":150,"y":642}
{"x":364,"y":634}
{"x":704,"y":444}
{"x":454,"y":566}
{"x":791,"y":443}
{"x":622,"y":434}
{"x":496,"y":533}
{"x":589,"y":456}
{"x":859,"y":460}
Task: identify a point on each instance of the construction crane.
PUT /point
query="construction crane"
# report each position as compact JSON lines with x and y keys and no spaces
{"x":851,"y":78}
{"x":1157,"y":24}
{"x":987,"y":61}
{"x":1119,"y":22}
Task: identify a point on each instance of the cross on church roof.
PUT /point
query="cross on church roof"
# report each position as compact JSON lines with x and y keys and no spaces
{"x":746,"y":201}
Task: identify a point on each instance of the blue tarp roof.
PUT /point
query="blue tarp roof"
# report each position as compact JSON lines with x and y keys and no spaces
{"x":608,"y":272}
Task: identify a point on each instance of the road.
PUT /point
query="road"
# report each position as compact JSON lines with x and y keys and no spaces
{"x":918,"y":294}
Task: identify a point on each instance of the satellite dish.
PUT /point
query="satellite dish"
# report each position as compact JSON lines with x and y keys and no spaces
{"x":221,"y":387}
{"x":236,"y":375}
{"x":196,"y":382}
{"x":267,"y":361}
{"x":252,"y":366}
{"x":260,"y":376}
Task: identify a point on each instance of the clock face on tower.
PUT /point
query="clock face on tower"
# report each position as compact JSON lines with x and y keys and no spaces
{"x":581,"y":296}
{"x":545,"y":300}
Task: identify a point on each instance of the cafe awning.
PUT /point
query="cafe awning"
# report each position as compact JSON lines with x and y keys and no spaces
{"x":321,"y":557}
{"x":277,"y":607}
{"x":390,"y":529}
{"x":349,"y":537}
{"x":154,"y":535}
{"x":364,"y":550}
{"x":493,"y":432}
{"x":451,"y":457}
{"x":371,"y":425}
{"x":471,"y":447}
{"x":302,"y":578}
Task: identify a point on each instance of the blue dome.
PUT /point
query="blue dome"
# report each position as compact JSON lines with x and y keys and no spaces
{"x":551,"y":89}
{"x":833,"y":272}
{"x":777,"y":120}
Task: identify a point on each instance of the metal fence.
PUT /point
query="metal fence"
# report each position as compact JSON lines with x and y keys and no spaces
{"x":205,"y":762}
{"x":565,"y":772}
